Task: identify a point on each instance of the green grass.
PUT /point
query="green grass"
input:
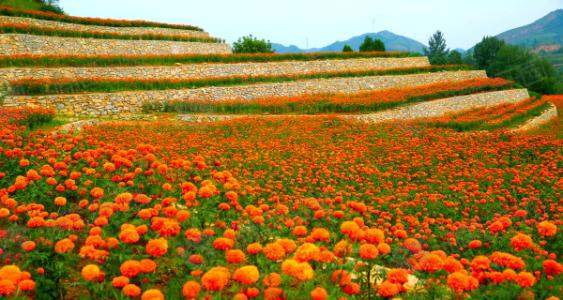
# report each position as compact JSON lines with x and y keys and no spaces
{"x":9,"y":29}
{"x":23,"y":4}
{"x":168,"y":60}
{"x":30,"y":87}
{"x":320,"y":106}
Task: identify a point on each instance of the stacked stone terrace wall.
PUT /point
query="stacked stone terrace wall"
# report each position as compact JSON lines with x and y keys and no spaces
{"x":209,"y":70}
{"x":130,"y":102}
{"x":103,"y":29}
{"x":20,"y":44}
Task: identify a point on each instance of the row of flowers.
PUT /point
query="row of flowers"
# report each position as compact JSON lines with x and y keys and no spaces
{"x":22,"y":60}
{"x":21,"y":28}
{"x":14,"y":12}
{"x":26,"y":86}
{"x":491,"y":118}
{"x":334,"y":103}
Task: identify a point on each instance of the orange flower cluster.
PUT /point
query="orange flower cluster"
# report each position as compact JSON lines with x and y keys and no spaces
{"x":282,"y":209}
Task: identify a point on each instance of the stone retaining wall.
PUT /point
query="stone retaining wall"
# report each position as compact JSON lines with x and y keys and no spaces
{"x":102,"y":29}
{"x":546,"y":116}
{"x":14,"y":44}
{"x":207,"y":70}
{"x":441,"y":107}
{"x":126,"y":102}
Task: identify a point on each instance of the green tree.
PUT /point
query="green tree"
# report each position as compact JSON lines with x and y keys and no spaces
{"x":454,"y":58}
{"x":437,"y":50}
{"x":347,"y":48}
{"x":367,"y":45}
{"x":251,"y":44}
{"x":528,"y":69}
{"x":370,"y":45}
{"x":486,"y":51}
{"x":378,"y":45}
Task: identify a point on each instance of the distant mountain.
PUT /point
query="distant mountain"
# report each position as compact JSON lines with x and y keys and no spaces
{"x":279,"y":48}
{"x":545,"y":31}
{"x":393,"y":42}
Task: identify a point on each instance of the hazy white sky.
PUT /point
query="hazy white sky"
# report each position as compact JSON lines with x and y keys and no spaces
{"x":316,"y":23}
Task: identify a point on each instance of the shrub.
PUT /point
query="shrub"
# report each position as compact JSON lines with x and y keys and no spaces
{"x":370,"y":44}
{"x":251,"y":44}
{"x":347,"y":48}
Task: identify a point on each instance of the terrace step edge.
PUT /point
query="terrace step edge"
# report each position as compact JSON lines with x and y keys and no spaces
{"x":546,"y":116}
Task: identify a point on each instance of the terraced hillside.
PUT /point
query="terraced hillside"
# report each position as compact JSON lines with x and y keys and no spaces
{"x":95,"y":67}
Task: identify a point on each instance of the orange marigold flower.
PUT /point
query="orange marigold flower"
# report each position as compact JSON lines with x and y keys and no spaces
{"x":388,"y":289}
{"x":91,"y":273}
{"x":26,"y":285}
{"x":254,"y":248}
{"x":299,"y":270}
{"x":60,"y":201}
{"x":368,"y":251}
{"x":547,"y":229}
{"x":131,"y":290}
{"x":97,"y":193}
{"x":480,"y":263}
{"x":215,"y":279}
{"x":319,"y":293}
{"x":11,"y":272}
{"x":413,"y":245}
{"x":475,"y":244}
{"x":521,"y":241}
{"x":525,"y":279}
{"x":399,"y":276}
{"x":307,"y":252}
{"x":235,"y":256}
{"x":152,"y":294}
{"x":129,"y":236}
{"x":460,"y":282}
{"x":274,"y":251}
{"x":147,"y":265}
{"x":430,"y":262}
{"x":120,"y":281}
{"x":191,"y":289}
{"x":246,"y":275}
{"x":384,"y":248}
{"x":222,"y":243}
{"x":7,"y":287}
{"x":130,"y":268}
{"x":28,"y":246}
{"x":272,"y":280}
{"x":552,"y":267}
{"x":157,"y":247}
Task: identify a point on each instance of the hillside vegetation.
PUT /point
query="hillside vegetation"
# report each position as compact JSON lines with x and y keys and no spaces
{"x":41,"y":5}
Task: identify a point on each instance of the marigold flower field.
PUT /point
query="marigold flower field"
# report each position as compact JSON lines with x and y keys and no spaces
{"x":285,"y":208}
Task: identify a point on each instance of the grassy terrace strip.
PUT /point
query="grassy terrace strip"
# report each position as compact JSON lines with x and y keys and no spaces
{"x":10,"y":11}
{"x":167,"y":60}
{"x":36,"y":30}
{"x":326,"y":104}
{"x":70,"y":86}
{"x":498,"y":117}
